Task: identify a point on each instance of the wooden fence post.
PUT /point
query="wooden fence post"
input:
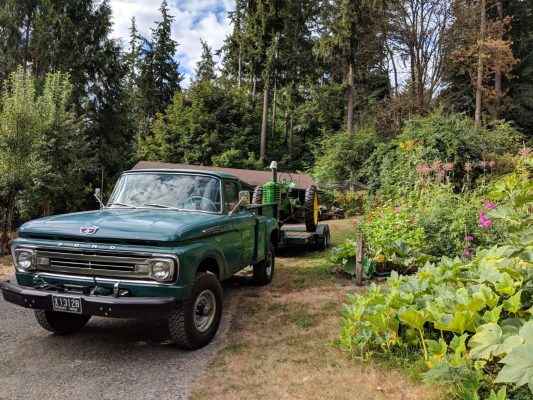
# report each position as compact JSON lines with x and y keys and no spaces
{"x":359,"y":261}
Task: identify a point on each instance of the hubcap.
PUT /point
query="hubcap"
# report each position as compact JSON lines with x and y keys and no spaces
{"x":269,"y":264}
{"x":204,"y":310}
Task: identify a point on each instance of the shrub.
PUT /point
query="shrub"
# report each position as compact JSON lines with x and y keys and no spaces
{"x":449,"y":139}
{"x":340,"y":156}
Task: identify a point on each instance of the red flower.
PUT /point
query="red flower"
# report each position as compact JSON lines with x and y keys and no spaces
{"x":369,"y":218}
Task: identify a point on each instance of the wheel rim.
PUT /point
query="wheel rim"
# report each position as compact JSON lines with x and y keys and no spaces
{"x":204,"y":310}
{"x":269,"y":266}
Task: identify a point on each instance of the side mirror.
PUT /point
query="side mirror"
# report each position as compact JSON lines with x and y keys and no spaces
{"x":244,"y":197}
{"x":98,"y":196}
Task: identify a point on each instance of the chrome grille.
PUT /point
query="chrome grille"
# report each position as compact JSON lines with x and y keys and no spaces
{"x":96,"y":263}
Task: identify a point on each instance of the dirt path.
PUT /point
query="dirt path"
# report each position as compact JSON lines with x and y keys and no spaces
{"x":278,"y":343}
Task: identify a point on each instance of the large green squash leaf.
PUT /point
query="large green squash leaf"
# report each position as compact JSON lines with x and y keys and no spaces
{"x":414,"y":318}
{"x":489,"y":341}
{"x":518,"y":368}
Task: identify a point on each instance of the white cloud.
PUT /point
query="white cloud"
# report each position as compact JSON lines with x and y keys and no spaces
{"x":193,"y":19}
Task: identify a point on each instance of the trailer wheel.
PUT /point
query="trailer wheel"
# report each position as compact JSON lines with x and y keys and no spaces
{"x":311,"y":208}
{"x":257,"y":197}
{"x":323,"y":243}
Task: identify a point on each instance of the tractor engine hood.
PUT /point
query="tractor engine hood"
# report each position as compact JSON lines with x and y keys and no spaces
{"x":124,"y":224}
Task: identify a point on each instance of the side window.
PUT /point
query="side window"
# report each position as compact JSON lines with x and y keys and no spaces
{"x":231,"y":195}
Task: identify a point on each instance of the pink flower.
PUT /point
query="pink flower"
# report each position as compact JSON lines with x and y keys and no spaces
{"x":469,"y":238}
{"x":484,"y":222}
{"x":423,"y":169}
{"x":468,"y":166}
{"x":490,"y":206}
{"x":524,"y":151}
{"x":492,"y":163}
{"x":483,"y":164}
{"x":447,"y":166}
{"x":436,"y":165}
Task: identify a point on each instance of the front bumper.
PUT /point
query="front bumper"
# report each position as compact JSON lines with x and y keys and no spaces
{"x":104,"y":306}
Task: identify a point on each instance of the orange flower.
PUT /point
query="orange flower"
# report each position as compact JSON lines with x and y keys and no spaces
{"x":369,"y":218}
{"x":410,"y":145}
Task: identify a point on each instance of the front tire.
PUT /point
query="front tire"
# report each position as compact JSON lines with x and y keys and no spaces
{"x":61,"y":323}
{"x":195,"y":321}
{"x":264,"y":270}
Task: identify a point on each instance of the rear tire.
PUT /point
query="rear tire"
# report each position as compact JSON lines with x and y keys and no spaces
{"x":257,"y":197}
{"x":195,"y":321}
{"x":311,"y":208}
{"x":61,"y":323}
{"x":264,"y":270}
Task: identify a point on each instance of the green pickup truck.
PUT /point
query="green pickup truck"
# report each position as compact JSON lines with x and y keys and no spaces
{"x":158,"y":249}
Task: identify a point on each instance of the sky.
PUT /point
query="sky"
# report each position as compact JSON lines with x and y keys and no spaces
{"x":193,"y":20}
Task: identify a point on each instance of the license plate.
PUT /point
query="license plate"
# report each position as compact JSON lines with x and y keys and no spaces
{"x":67,"y":304}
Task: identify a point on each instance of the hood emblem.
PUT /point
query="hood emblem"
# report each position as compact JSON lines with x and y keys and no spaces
{"x":88,"y":230}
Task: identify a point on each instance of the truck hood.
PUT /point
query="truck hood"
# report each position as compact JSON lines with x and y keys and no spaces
{"x":125,"y":224}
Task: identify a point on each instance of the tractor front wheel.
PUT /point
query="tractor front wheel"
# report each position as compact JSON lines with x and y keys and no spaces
{"x":257,"y":197}
{"x":311,"y":208}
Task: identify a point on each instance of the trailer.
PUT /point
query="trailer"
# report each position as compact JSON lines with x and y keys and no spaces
{"x":297,"y":219}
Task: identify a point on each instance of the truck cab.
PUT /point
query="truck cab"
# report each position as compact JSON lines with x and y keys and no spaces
{"x":159,"y":248}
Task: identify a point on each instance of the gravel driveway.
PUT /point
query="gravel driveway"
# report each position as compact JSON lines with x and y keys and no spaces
{"x":109,"y":359}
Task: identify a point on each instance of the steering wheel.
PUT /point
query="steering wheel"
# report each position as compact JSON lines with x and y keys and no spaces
{"x":285,"y":177}
{"x":198,"y":201}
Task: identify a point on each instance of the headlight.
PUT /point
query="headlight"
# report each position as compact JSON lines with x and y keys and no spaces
{"x":24,"y":259}
{"x":162,"y":270}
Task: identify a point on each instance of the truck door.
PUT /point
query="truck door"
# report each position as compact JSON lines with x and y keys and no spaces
{"x":243,"y":222}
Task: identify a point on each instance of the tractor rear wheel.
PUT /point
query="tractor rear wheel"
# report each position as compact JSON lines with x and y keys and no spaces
{"x":311,"y":208}
{"x":257,"y":197}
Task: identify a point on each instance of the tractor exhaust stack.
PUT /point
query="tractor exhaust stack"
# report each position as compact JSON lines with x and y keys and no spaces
{"x":274,"y":168}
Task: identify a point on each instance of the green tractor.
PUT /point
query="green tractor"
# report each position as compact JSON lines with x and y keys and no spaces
{"x":298,"y":219}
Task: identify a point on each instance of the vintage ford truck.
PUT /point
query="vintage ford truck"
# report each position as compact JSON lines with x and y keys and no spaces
{"x":158,"y":249}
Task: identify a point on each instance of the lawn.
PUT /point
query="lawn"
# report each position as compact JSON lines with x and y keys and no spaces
{"x":6,"y":266}
{"x":278,"y":345}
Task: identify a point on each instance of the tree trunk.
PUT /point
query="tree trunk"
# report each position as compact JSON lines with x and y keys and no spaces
{"x":349,"y":122}
{"x":254,"y":85}
{"x":290,"y":135}
{"x":274,"y":111}
{"x":394,"y":70}
{"x":7,"y":224}
{"x":239,"y":79}
{"x":262,"y":146}
{"x":479,"y":81}
{"x":498,"y":65}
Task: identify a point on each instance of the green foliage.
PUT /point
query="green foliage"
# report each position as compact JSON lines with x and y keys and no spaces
{"x":203,"y":123}
{"x":234,"y":158}
{"x":433,"y":141}
{"x":463,"y":315}
{"x":342,"y":154}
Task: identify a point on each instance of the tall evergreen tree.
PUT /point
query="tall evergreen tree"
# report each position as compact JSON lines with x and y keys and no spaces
{"x":205,"y":68}
{"x":159,"y":77}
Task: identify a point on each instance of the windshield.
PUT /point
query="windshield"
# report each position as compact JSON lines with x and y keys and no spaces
{"x":170,"y":191}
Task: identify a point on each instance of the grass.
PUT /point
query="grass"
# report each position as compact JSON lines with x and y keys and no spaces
{"x":278,"y":345}
{"x":6,"y":266}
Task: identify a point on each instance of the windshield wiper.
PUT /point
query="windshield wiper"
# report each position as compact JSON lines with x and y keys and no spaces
{"x":161,"y":206}
{"x":121,"y":204}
